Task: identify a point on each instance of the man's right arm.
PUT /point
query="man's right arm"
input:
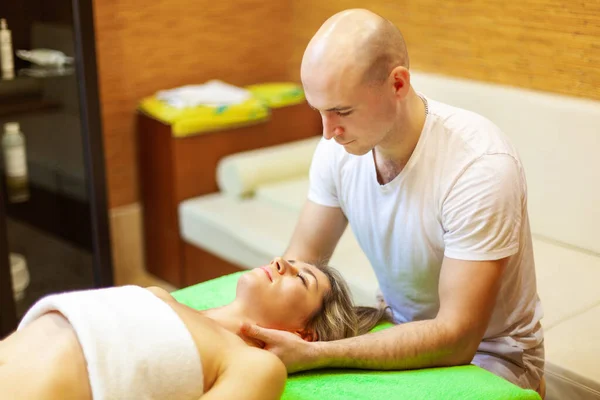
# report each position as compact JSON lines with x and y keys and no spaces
{"x":317,"y":232}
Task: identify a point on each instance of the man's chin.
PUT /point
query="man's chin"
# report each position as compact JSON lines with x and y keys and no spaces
{"x":356,"y":150}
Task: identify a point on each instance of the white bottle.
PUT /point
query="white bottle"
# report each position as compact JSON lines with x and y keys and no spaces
{"x":6,"y":51}
{"x":20,"y":275}
{"x":15,"y":163}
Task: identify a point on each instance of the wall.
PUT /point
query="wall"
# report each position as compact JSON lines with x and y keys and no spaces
{"x":146,"y":46}
{"x":547,"y":45}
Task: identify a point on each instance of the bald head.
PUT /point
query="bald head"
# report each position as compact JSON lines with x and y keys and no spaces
{"x":356,"y":42}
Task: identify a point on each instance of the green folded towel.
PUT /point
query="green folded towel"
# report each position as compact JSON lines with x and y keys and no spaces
{"x":464,"y":383}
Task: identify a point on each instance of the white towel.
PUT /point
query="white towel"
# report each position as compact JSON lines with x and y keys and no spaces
{"x":135,"y":345}
{"x":211,"y":93}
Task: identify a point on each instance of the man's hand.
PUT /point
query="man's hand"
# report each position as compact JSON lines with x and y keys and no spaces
{"x":297,"y":354}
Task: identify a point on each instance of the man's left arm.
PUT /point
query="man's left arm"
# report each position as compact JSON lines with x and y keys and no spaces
{"x":467,"y":292}
{"x":482,"y":216}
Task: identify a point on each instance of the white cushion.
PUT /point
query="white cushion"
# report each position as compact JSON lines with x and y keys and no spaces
{"x":290,"y":194}
{"x":567,"y":281}
{"x":240,"y":174}
{"x":557,"y":138}
{"x":245,"y":232}
{"x":573,"y":351}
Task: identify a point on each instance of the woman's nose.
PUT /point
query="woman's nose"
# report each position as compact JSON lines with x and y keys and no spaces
{"x":282,"y":265}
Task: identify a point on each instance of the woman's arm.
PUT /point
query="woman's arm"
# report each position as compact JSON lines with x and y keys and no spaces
{"x":44,"y":361}
{"x":253,"y":374}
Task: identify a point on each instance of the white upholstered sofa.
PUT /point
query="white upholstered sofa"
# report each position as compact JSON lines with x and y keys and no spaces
{"x":252,"y":218}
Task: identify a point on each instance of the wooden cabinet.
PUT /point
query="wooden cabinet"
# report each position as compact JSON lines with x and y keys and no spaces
{"x":175,"y":169}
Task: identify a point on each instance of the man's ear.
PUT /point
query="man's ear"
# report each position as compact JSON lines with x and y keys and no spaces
{"x":308,"y":335}
{"x":401,"y":79}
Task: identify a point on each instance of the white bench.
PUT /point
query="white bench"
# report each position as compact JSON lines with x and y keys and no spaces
{"x":558,"y":138}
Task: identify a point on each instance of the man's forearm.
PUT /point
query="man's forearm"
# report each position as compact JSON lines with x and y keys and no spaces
{"x":411,"y":345}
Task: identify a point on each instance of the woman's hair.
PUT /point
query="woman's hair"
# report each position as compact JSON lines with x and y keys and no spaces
{"x":339,"y":318}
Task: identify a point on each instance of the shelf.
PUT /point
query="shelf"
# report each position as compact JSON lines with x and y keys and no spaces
{"x":19,"y":87}
{"x":27,"y":105}
{"x":45,"y":73}
{"x":55,"y":213}
{"x":29,"y":78}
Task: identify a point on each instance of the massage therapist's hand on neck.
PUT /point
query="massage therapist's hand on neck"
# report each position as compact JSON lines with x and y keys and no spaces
{"x":296,"y":353}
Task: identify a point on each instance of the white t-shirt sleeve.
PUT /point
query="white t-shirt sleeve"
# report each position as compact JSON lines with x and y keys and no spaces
{"x":483,"y":211}
{"x":322,"y":189}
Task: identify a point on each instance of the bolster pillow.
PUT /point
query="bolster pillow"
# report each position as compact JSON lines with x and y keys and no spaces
{"x":241,"y":173}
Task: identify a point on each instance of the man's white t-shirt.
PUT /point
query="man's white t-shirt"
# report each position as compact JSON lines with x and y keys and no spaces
{"x":462,"y":195}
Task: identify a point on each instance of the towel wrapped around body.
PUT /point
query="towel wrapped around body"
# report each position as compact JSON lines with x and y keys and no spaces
{"x":134,"y":344}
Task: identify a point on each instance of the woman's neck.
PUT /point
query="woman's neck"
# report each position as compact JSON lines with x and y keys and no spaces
{"x":231,"y":317}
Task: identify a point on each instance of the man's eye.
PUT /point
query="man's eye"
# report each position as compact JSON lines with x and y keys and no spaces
{"x":344,"y":114}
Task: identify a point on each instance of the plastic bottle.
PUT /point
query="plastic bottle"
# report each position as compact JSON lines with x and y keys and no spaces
{"x":20,"y":275}
{"x":15,"y":163}
{"x":6,"y":51}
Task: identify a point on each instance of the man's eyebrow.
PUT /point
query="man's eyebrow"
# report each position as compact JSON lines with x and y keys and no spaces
{"x":337,"y":108}
{"x":308,"y":271}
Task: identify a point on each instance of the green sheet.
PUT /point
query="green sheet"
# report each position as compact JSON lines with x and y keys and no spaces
{"x":464,"y":383}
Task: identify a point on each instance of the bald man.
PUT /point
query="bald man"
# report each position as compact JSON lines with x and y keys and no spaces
{"x":437,"y":198}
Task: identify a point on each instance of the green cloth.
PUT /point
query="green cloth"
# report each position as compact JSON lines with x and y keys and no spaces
{"x":465,"y":382}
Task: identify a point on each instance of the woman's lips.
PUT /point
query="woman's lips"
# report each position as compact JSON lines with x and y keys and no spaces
{"x":267,"y":272}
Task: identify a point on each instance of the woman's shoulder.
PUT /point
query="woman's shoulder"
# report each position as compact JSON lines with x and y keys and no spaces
{"x":160,"y":293}
{"x":266,"y":371}
{"x":261,"y":364}
{"x":253,"y":355}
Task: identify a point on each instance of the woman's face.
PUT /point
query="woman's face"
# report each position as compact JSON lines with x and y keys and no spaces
{"x":284,"y":294}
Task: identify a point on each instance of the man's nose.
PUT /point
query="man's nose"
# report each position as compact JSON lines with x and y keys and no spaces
{"x":330,"y":127}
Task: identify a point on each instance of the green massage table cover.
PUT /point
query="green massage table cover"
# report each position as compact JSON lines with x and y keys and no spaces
{"x":464,"y":382}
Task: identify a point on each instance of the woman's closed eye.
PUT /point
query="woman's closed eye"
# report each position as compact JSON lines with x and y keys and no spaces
{"x":303,"y":279}
{"x":344,"y":114}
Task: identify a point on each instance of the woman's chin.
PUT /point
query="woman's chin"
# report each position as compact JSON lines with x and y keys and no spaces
{"x":249,"y":283}
{"x":246,"y":278}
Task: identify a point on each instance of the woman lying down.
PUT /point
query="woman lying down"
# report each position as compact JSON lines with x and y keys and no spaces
{"x":134,"y":343}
